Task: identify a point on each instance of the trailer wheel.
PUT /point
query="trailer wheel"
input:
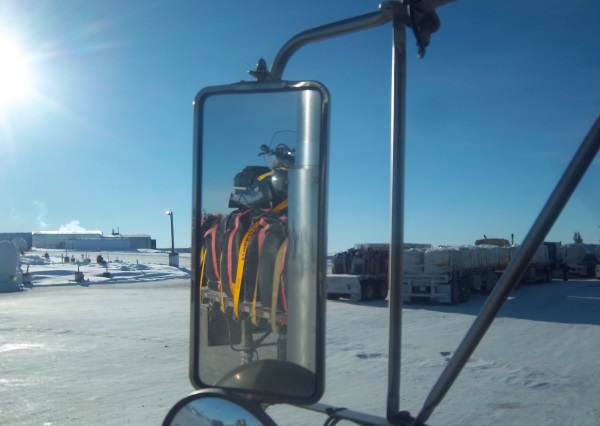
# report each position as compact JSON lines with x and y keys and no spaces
{"x":367,"y":291}
{"x":382,"y":290}
{"x":454,"y":293}
{"x":547,"y":276}
{"x":465,"y":292}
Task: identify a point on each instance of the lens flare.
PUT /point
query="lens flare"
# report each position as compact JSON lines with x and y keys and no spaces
{"x":14,"y":73}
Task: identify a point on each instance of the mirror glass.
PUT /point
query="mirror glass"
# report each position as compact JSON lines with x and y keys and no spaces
{"x":259,"y":239}
{"x":215,"y":410}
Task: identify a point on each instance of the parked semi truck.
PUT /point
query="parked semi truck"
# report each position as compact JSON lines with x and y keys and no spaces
{"x":360,"y":273}
{"x":442,"y":274}
{"x":580,"y":259}
{"x":450,"y":274}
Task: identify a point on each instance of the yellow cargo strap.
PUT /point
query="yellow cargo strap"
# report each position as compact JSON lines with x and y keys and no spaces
{"x":222,"y":296}
{"x":280,"y":206}
{"x":270,"y":173}
{"x":278,"y":271}
{"x":265,"y":175}
{"x":202,"y":262}
{"x":254,"y":321}
{"x":236,"y":287}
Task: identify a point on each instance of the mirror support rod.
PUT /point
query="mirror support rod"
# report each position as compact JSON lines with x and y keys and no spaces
{"x":333,"y":29}
{"x":397,"y":166}
{"x":556,"y":202}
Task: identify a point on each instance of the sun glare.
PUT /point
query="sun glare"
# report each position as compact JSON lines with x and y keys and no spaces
{"x":14,"y":75}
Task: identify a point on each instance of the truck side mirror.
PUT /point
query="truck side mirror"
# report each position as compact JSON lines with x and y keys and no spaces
{"x":259,"y":240}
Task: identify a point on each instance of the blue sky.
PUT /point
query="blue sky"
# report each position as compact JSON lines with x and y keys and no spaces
{"x":102,"y":136}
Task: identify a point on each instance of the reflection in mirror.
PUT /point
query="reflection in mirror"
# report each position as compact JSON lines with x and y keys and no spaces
{"x":259,"y":243}
{"x":215,"y":410}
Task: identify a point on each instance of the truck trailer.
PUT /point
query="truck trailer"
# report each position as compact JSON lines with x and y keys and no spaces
{"x":444,"y":274}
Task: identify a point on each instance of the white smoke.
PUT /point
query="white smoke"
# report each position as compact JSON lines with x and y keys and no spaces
{"x":41,"y":211}
{"x":72,"y":227}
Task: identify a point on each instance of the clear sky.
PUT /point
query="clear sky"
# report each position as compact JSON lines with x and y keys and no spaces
{"x":96,"y":121}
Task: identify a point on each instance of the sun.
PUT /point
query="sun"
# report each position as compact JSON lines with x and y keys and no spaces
{"x":14,"y":73}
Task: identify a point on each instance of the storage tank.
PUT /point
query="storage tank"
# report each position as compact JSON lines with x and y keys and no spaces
{"x":10,"y":276}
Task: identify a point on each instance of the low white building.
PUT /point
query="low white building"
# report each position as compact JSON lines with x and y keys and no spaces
{"x":88,"y":241}
{"x":60,"y":239}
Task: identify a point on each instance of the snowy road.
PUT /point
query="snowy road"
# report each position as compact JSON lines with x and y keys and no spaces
{"x":148,"y":257}
{"x":98,"y":355}
{"x":118,"y":354}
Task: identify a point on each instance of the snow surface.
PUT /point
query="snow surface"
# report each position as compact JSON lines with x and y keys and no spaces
{"x":113,"y":351}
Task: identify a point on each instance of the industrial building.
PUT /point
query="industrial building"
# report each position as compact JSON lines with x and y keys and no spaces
{"x":83,"y":241}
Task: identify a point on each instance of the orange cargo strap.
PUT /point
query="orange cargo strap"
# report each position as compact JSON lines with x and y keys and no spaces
{"x":213,"y":233}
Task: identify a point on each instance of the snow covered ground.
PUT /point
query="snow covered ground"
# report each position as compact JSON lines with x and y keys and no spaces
{"x":114,"y":350}
{"x":123,"y":267}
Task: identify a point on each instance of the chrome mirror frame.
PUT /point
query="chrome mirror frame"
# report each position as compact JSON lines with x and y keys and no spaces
{"x":307,"y":250}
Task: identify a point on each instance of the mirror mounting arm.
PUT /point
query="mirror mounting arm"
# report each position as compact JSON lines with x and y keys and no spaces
{"x":334,"y":29}
{"x":420,"y":16}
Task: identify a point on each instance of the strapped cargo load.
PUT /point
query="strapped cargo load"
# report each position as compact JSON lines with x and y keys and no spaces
{"x":414,"y":260}
{"x":444,"y":260}
{"x":363,"y":259}
{"x":243,"y":256}
{"x":342,"y":262}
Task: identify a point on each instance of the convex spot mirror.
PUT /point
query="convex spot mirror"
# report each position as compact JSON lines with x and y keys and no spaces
{"x":259,"y":240}
{"x":212,"y":407}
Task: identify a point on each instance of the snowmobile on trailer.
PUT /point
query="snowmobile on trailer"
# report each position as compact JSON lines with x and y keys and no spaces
{"x":242,"y":259}
{"x":224,"y":385}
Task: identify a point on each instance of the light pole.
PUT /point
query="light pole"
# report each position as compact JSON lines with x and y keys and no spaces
{"x":170,"y":213}
{"x":173,"y":257}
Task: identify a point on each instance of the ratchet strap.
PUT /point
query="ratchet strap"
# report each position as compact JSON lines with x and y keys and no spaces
{"x":237,"y":285}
